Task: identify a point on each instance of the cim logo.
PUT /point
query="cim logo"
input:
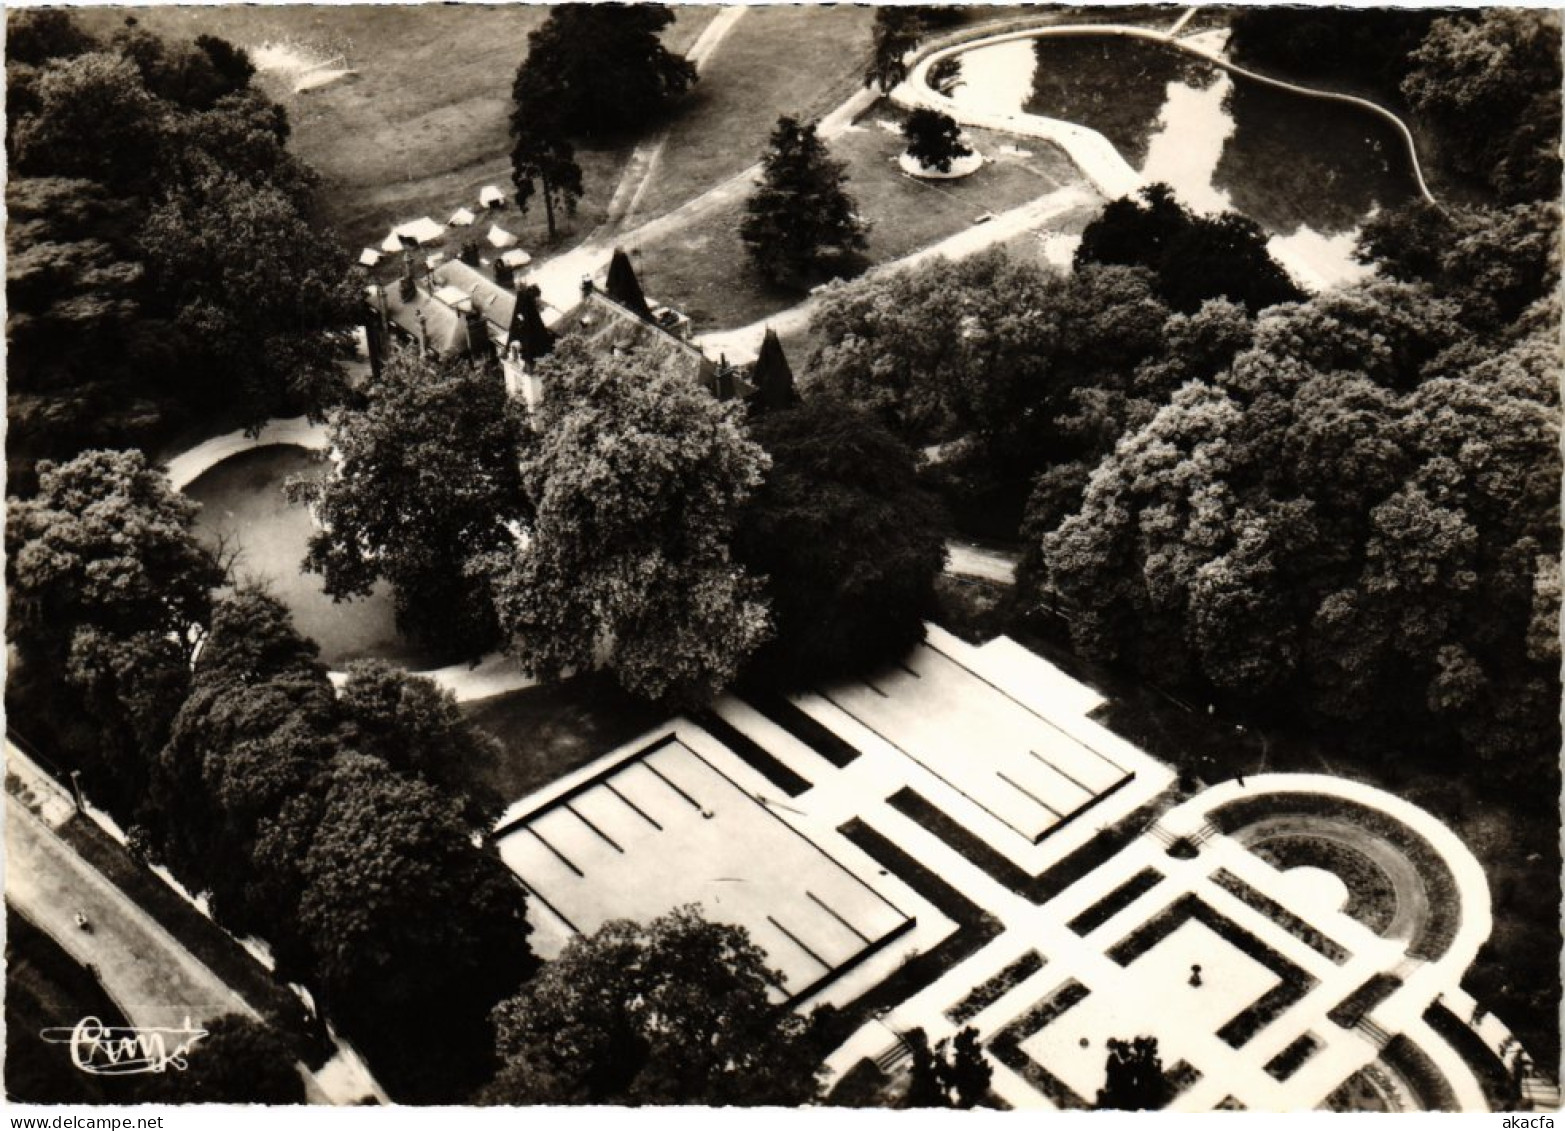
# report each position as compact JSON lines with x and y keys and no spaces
{"x":108,"y":1050}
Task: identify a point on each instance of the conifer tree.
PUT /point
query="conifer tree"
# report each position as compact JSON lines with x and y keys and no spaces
{"x":800,"y":219}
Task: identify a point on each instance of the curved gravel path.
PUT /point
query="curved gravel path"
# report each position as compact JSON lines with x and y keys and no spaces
{"x":1094,"y":154}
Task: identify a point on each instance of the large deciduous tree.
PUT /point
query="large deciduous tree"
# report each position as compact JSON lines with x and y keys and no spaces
{"x":414,"y":725}
{"x":110,"y":589}
{"x":1355,"y":516}
{"x":600,"y":68}
{"x":952,"y":1074}
{"x":1010,"y":367}
{"x":405,"y":918}
{"x":165,"y":234}
{"x":1133,"y":1077}
{"x":800,"y":221}
{"x":543,"y":163}
{"x":1492,"y":263}
{"x":365,"y":879}
{"x":426,"y":481}
{"x":849,"y":542}
{"x":1194,"y":258}
{"x":637,"y":477}
{"x":240,"y":1061}
{"x":1490,"y":88}
{"x":934,"y":139}
{"x":678,"y":1011}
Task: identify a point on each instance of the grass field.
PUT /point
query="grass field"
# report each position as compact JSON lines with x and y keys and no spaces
{"x":801,"y":60}
{"x":422,"y":123}
{"x":705,"y":271}
{"x":550,"y":730}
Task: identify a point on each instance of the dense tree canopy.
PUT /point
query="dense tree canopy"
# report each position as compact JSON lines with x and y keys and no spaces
{"x":425,"y":481}
{"x":800,"y":221}
{"x":636,"y":476}
{"x":934,"y":139}
{"x":1493,"y":263}
{"x":364,"y":878}
{"x":416,"y":728}
{"x":678,"y":1011}
{"x":1489,"y":87}
{"x":239,"y":1061}
{"x":1011,"y":368}
{"x":165,"y":235}
{"x":849,"y":542}
{"x":110,"y":591}
{"x":1192,"y":257}
{"x":1362,"y":47}
{"x":1357,"y":514}
{"x":600,"y":68}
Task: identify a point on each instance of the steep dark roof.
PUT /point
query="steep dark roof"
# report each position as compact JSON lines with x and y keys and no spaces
{"x":772,"y":377}
{"x":623,"y":287}
{"x":606,"y":325}
{"x":527,"y":329}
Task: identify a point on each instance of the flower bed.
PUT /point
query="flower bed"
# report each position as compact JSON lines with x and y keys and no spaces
{"x":1372,"y":897}
{"x":1291,"y":1059}
{"x":1422,"y":1076}
{"x":1045,"y":886}
{"x":992,"y":990}
{"x":751,"y":751}
{"x":1280,"y":915}
{"x":1294,"y":981}
{"x":1433,"y":936}
{"x":1366,"y":997}
{"x":1499,"y":1086}
{"x":1116,"y":901}
{"x":1006,"y":1045}
{"x":976,"y":928}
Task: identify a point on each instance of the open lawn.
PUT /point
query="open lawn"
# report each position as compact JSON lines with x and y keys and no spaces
{"x":801,"y":60}
{"x":548,"y":731}
{"x":422,"y":121}
{"x":705,"y":270}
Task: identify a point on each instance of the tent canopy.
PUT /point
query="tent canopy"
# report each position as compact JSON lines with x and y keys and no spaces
{"x":499,"y":237}
{"x":422,"y":230}
{"x":490,"y":196}
{"x":461,"y":218}
{"x":369,"y":257}
{"x":516,"y":257}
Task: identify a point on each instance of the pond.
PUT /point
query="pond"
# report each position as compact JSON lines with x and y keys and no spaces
{"x":1307,"y":170}
{"x":242,"y":502}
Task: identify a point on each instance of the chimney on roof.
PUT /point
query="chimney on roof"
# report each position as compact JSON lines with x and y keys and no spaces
{"x":624,"y":288}
{"x":772,"y":377}
{"x":478,"y":344}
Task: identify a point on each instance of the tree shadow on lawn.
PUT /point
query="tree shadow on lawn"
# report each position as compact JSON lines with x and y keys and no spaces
{"x":547,"y":731}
